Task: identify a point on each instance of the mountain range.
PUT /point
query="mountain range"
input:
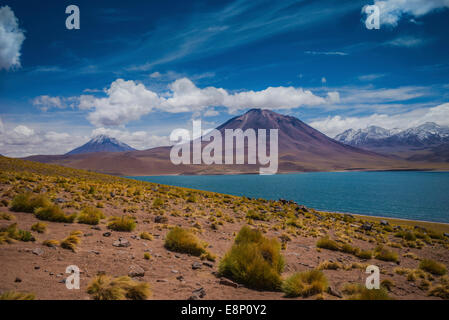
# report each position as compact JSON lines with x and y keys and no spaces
{"x":301,"y":149}
{"x":426,"y":142}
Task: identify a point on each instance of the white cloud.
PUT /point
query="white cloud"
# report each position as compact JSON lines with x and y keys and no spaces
{"x":391,"y":11}
{"x":140,"y":140}
{"x":371,"y":77}
{"x":45,"y":102}
{"x":337,"y":124}
{"x":11,"y":39}
{"x":2,"y":127}
{"x":327,"y":53}
{"x":128,"y":100}
{"x":22,"y":141}
{"x":155,"y":74}
{"x":407,"y":41}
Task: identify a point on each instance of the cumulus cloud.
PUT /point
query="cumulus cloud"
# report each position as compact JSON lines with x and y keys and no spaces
{"x":46,"y":102}
{"x":140,"y":140}
{"x":128,"y":100}
{"x":22,"y":141}
{"x":11,"y":39}
{"x":391,"y":11}
{"x":337,"y":124}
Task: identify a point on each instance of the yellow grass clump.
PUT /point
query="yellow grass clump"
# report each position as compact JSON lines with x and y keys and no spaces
{"x":305,"y":284}
{"x":104,"y":287}
{"x":91,"y":216}
{"x":254,"y":261}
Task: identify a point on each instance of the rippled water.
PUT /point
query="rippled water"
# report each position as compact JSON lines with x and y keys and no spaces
{"x":407,"y":195}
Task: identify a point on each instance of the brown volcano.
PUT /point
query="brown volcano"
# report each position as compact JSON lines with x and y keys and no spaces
{"x":301,"y":148}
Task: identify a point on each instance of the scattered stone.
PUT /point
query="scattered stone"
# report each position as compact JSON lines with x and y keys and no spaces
{"x":196,"y":265}
{"x":334,"y":292}
{"x":160,"y":219}
{"x":96,"y":228}
{"x":201,"y":293}
{"x":136,"y":271}
{"x":227,"y":282}
{"x":174,"y":271}
{"x":161,"y":280}
{"x":38,"y":251}
{"x":208,"y":264}
{"x":121,"y":242}
{"x":180,"y":278}
{"x":88,"y":234}
{"x":51,"y":274}
{"x":384,"y":222}
{"x":95,"y":252}
{"x":107,"y":234}
{"x":18,"y":280}
{"x":367,"y":226}
{"x":60,"y":200}
{"x":36,"y":267}
{"x":62,"y":281}
{"x":193,"y":297}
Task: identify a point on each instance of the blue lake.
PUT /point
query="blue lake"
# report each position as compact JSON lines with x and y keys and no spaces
{"x":407,"y":195}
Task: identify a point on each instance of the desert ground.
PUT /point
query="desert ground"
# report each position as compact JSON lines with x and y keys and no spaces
{"x":413,"y":257}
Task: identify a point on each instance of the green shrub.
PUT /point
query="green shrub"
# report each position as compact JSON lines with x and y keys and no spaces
{"x":252,"y":214}
{"x":124,"y":223}
{"x":11,"y":232}
{"x":91,"y":216}
{"x":384,"y":254}
{"x":54,"y":213}
{"x":27,"y":202}
{"x":146,"y":236}
{"x":364,"y":254}
{"x":6,"y":216}
{"x":184,"y":241}
{"x":326,"y":243}
{"x":10,"y":295}
{"x":305,"y":284}
{"x":158,"y":202}
{"x":347,"y":248}
{"x":254,"y":261}
{"x":104,"y":287}
{"x":71,"y":241}
{"x":433,"y":267}
{"x":39,"y":227}
{"x":406,"y":235}
{"x":363,"y":293}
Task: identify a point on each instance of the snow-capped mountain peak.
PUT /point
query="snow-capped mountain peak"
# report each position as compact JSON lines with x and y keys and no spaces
{"x":102,"y":143}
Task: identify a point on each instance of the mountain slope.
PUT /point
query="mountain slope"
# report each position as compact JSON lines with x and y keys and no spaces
{"x":101,"y":143}
{"x":301,"y":149}
{"x":425,"y":142}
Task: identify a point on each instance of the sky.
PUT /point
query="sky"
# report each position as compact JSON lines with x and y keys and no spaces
{"x":138,"y":70}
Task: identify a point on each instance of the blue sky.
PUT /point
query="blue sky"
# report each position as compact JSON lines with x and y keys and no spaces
{"x":137,"y":70}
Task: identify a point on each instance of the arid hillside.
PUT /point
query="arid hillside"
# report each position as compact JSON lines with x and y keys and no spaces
{"x":137,"y":240}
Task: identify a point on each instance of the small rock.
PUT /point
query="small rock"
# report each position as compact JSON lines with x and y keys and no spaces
{"x":95,"y":252}
{"x":161,"y":280}
{"x":199,"y":292}
{"x":384,"y":222}
{"x":334,"y":292}
{"x":38,"y":251}
{"x":174,"y":271}
{"x":208,"y":264}
{"x":96,"y":228}
{"x":121,"y":242}
{"x":196,"y":265}
{"x":62,"y":281}
{"x":60,"y":200}
{"x":107,"y":234}
{"x":193,"y":297}
{"x":367,"y":226}
{"x":18,"y":280}
{"x":136,"y":271}
{"x":36,"y":267}
{"x":227,"y":282}
{"x":180,"y":278}
{"x":160,"y":219}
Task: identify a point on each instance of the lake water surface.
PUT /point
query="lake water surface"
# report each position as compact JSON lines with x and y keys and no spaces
{"x":407,"y":195}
